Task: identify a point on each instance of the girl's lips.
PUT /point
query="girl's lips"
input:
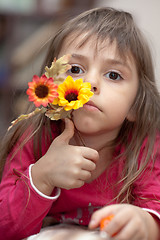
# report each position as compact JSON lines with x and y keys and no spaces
{"x":91,"y":106}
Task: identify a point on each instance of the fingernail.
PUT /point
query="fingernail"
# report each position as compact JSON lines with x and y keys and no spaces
{"x":92,"y":223}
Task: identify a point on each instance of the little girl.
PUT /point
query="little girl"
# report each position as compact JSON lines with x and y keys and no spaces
{"x":48,"y":172}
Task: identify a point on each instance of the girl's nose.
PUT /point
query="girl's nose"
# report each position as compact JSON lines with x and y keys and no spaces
{"x":94,"y":81}
{"x":94,"y":89}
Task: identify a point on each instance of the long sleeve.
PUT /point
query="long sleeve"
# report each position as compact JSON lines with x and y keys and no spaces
{"x":22,"y":208}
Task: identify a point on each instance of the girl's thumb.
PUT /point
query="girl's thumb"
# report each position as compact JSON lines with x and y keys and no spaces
{"x":68,"y":131}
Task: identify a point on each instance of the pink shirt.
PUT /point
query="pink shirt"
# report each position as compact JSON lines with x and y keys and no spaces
{"x":23,"y":207}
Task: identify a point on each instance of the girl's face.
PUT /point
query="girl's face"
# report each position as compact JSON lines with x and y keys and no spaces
{"x":114,"y":82}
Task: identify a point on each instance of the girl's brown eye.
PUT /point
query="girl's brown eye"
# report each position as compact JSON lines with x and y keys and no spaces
{"x":113,"y":75}
{"x":75,"y":70}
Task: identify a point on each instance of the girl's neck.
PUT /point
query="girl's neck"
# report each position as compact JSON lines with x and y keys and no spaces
{"x":98,"y":143}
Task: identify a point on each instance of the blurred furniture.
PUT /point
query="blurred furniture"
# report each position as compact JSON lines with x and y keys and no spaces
{"x":25,"y":28}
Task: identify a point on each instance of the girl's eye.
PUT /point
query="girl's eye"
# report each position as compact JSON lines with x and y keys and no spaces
{"x":75,"y":70}
{"x":113,"y":75}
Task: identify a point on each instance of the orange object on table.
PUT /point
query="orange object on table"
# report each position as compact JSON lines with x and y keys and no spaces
{"x":105,"y":221}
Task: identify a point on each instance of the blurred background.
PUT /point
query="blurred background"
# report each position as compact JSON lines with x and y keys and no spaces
{"x":25,"y":29}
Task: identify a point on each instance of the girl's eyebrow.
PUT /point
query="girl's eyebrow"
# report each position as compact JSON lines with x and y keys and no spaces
{"x":108,"y":61}
{"x":118,"y":62}
{"x":79,"y":56}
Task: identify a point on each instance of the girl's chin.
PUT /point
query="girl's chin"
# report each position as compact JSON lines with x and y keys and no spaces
{"x":84,"y":124}
{"x":83,"y":127}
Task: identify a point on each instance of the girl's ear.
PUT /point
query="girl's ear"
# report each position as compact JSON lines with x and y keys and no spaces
{"x":131,"y":117}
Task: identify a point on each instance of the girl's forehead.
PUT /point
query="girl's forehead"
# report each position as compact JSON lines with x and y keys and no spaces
{"x":95,"y":46}
{"x":82,"y":40}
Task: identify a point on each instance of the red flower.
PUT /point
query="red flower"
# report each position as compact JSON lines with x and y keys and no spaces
{"x":42,"y":90}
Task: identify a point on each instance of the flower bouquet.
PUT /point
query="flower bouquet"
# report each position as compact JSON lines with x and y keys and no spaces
{"x":56,"y":95}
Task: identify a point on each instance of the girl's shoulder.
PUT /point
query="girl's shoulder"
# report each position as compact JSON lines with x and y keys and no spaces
{"x":120,"y":150}
{"x":37,"y":138}
{"x":52,"y":130}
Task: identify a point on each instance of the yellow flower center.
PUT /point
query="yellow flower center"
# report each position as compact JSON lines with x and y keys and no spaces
{"x":41,"y":91}
{"x":71,"y":95}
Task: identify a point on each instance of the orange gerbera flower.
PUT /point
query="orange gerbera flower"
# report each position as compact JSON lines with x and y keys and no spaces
{"x":42,"y":90}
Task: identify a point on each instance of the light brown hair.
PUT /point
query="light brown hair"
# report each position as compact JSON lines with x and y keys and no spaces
{"x":119,"y":26}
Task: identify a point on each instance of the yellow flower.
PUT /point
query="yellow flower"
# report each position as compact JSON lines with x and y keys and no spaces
{"x":42,"y":90}
{"x":73,"y":94}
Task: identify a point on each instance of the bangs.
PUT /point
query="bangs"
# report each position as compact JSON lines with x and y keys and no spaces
{"x":81,"y":38}
{"x":113,"y":26}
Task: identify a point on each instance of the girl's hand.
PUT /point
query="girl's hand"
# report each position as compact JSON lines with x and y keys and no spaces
{"x":64,"y":165}
{"x":129,"y":223}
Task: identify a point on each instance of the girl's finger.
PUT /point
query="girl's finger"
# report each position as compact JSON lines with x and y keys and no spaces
{"x":117,"y":223}
{"x":88,"y":165}
{"x":99,"y":215}
{"x":76,"y":184}
{"x":130,"y":232}
{"x":67,"y":133}
{"x":85,"y":175}
{"x":90,"y":154}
